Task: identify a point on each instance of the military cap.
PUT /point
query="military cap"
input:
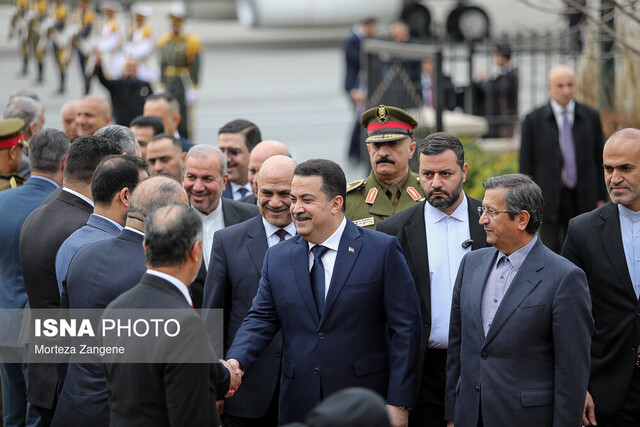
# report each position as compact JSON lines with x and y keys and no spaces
{"x":10,"y":132}
{"x":177,"y":10}
{"x":386,"y":123}
{"x":141,"y":10}
{"x":111,"y":5}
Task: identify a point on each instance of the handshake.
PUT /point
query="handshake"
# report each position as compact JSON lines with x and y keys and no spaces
{"x":235,"y":373}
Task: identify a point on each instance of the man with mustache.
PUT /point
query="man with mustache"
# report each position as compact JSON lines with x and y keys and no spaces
{"x":449,"y":216}
{"x":605,"y":243}
{"x":237,"y":139}
{"x":205,"y":178}
{"x":391,"y":186}
{"x":232,"y":282}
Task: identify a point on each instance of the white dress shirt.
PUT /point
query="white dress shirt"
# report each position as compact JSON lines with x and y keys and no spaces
{"x":210,"y":224}
{"x":75,"y":193}
{"x":445,"y":235}
{"x":329,"y":258}
{"x":235,"y":190}
{"x":183,"y":288}
{"x":270,"y":232}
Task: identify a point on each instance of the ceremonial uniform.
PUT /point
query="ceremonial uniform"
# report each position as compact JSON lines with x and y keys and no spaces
{"x":82,"y":26}
{"x":180,"y":69}
{"x":20,"y":19}
{"x":61,"y":37}
{"x":11,"y":139}
{"x":391,"y":186}
{"x":142,"y":46}
{"x":38,"y":34}
{"x":110,"y":42}
{"x":367,"y":202}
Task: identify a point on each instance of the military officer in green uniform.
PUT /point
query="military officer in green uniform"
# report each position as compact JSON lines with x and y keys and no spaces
{"x":11,"y":142}
{"x":391,"y":186}
{"x":180,"y":57}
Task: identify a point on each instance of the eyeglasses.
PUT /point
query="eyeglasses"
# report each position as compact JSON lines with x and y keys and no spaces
{"x":490,"y":212}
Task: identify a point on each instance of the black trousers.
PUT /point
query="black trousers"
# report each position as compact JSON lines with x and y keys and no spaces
{"x":429,"y":410}
{"x":629,"y":413}
{"x":552,"y":233}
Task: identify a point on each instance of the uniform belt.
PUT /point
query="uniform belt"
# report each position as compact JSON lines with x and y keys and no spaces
{"x":171,"y":71}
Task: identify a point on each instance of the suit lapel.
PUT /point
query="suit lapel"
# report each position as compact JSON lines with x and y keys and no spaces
{"x":348,"y":252}
{"x":229,"y":214}
{"x":299,"y":257}
{"x":416,"y":236}
{"x":611,"y":238}
{"x":257,"y":243}
{"x":522,"y":284}
{"x":476,"y":231}
{"x":479,"y":277}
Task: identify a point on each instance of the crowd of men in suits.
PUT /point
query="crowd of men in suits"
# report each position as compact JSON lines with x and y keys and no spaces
{"x":453,"y":310}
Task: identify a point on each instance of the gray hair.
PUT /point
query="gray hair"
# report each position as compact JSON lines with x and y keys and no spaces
{"x":47,"y":149}
{"x":201,"y":151}
{"x":25,"y":108}
{"x":153,"y":192}
{"x":121,"y":135}
{"x":439,"y":142}
{"x":169,"y":234}
{"x":522,"y":195}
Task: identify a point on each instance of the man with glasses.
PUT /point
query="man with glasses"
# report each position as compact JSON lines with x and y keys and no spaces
{"x":391,"y":186}
{"x":520,"y":328}
{"x":236,"y":139}
{"x":422,"y":230}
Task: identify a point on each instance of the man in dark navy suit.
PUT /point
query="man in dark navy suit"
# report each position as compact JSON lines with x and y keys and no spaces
{"x":344,"y":300}
{"x":48,"y":149}
{"x":232,"y":282}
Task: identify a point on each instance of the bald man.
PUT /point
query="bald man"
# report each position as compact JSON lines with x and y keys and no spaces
{"x":261,"y":152}
{"x":69,"y":112}
{"x":232,"y":282}
{"x":93,"y":113}
{"x":561,"y":149}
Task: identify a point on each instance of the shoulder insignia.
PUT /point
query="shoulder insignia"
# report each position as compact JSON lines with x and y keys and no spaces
{"x":371,"y":196}
{"x":364,"y":222}
{"x":164,"y":39}
{"x":413,"y":193}
{"x":355,"y":184}
{"x":418,"y":179}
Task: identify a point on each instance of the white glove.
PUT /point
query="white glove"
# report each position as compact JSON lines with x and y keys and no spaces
{"x":191,"y":97}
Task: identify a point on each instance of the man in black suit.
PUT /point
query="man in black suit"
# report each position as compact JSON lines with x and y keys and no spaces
{"x":237,"y":139}
{"x":451,"y":218}
{"x":232,"y":282}
{"x":170,"y":393}
{"x":95,"y":278}
{"x":205,"y":178}
{"x":352,"y":84}
{"x":561,"y":149}
{"x":40,"y":238}
{"x":604,"y":243}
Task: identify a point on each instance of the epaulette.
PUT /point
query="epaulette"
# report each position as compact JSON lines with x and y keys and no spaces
{"x":418,"y":179}
{"x":147,"y":32}
{"x":356,"y":185}
{"x":164,"y":39}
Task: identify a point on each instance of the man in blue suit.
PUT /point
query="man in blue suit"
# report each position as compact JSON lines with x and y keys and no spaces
{"x":344,"y":300}
{"x":48,"y":153}
{"x":237,"y":255}
{"x":111,"y":186}
{"x":521,"y":324}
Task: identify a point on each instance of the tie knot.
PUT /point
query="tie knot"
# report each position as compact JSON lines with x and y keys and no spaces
{"x":243,"y":191}
{"x":319,"y":251}
{"x":282,"y":234}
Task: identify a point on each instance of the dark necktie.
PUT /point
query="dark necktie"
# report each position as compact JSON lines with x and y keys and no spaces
{"x":243,"y":191}
{"x":317,"y":277}
{"x":568,"y":152}
{"x":282,"y":234}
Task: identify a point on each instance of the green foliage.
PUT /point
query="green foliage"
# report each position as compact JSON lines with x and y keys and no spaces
{"x":483,"y":164}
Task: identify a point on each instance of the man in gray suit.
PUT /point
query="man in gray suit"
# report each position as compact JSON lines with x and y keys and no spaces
{"x":521,"y":324}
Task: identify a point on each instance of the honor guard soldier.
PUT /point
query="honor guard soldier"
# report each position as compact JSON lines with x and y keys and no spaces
{"x":38,"y":34}
{"x":83,"y":22}
{"x":180,"y":67}
{"x":11,"y":142}
{"x":142,"y":45}
{"x":111,"y":41}
{"x":391,"y":186}
{"x":61,"y":36}
{"x":20,"y":19}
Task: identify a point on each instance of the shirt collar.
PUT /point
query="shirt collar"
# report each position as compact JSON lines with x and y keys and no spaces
{"x":270,"y":229}
{"x":183,"y":288}
{"x":437,"y":215}
{"x":44,"y":178}
{"x":75,"y":193}
{"x":557,"y":108}
{"x":628,"y":213}
{"x":517,"y":258}
{"x":134,"y":230}
{"x":333,"y":242}
{"x":215,"y":214}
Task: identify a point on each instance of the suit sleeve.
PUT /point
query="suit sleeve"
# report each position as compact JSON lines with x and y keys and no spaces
{"x":571,"y":249}
{"x":402,"y":310}
{"x":260,"y":325}
{"x":453,"y":351}
{"x":572,"y":327}
{"x":527,"y":147}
